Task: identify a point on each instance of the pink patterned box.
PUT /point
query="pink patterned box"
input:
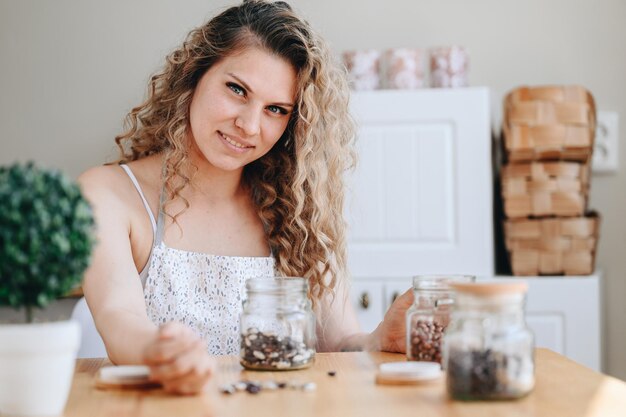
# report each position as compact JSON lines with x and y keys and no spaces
{"x":449,"y":67}
{"x":363,"y":68}
{"x":405,"y":68}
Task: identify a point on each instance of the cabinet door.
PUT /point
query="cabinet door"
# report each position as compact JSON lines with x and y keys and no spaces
{"x":421,"y":194}
{"x":564,"y":314}
{"x":368,"y":301}
{"x":549,"y":330}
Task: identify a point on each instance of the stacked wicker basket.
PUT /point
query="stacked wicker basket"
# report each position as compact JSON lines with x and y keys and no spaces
{"x":548,"y":140}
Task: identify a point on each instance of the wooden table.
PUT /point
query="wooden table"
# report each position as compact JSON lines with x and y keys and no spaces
{"x":563,"y":388}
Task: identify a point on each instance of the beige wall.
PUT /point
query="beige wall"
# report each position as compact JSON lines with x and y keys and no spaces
{"x":71,"y":69}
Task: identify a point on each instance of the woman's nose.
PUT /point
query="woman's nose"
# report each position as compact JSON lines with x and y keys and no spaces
{"x":249,"y":121}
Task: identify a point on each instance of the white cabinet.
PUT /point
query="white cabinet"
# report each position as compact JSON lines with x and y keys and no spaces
{"x":421,"y":202}
{"x":421,"y":193}
{"x":562,"y":312}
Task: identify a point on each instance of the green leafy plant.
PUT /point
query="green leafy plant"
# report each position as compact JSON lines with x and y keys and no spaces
{"x":46,"y":236}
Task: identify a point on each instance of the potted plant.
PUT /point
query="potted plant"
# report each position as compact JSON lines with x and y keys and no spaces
{"x":46,"y":237}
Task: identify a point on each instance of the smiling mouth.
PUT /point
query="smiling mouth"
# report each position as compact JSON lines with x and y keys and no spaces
{"x":234,"y":143}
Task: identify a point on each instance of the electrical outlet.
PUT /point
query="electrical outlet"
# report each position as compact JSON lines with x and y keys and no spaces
{"x":605,"y":149}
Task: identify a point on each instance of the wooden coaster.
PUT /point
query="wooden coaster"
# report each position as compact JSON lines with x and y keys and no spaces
{"x":408,"y":373}
{"x":125,"y":377}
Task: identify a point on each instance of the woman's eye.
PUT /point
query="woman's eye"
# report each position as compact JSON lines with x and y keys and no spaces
{"x":236,"y":89}
{"x":277,"y":110}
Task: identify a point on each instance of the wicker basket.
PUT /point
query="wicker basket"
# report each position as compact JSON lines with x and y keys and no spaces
{"x":545,"y":189}
{"x":549,"y":123}
{"x":552,"y":246}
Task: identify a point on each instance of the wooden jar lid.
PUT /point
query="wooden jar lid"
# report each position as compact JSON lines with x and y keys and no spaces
{"x":491,"y":288}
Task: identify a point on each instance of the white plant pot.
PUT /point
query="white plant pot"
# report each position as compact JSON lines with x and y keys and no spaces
{"x":36,"y":367}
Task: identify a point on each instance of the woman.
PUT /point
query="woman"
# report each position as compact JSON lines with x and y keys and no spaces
{"x":232,"y":168}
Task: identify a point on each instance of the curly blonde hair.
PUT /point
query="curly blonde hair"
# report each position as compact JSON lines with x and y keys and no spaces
{"x":298,"y":186}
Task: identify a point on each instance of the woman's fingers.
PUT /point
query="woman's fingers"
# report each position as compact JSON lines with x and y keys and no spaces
{"x":170,"y":343}
{"x":194,"y":380}
{"x":392,"y":330}
{"x":179,"y":365}
{"x":178,"y":360}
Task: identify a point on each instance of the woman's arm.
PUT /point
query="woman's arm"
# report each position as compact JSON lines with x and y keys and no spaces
{"x":176,"y":355}
{"x":111,"y":285}
{"x":338,"y":328}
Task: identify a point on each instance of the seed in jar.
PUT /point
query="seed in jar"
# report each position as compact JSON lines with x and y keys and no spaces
{"x":265,"y":350}
{"x":484,"y":374}
{"x":426,"y":338}
{"x":281,"y":364}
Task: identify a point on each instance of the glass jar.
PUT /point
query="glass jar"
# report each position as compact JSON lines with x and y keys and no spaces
{"x":277,"y":325}
{"x":488,"y":349}
{"x":428,"y":317}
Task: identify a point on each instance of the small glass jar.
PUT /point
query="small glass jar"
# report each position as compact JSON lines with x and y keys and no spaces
{"x":488,"y":349}
{"x":277,"y":325}
{"x":428,"y":317}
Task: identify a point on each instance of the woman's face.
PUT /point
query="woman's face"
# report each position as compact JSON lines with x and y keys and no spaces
{"x":241,"y":107}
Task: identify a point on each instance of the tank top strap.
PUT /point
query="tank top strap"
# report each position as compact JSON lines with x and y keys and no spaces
{"x":143,"y":198}
{"x":160,"y":224}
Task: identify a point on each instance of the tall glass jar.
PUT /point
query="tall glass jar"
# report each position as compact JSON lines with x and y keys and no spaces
{"x":277,"y":325}
{"x":488,"y":349}
{"x":428,"y":317}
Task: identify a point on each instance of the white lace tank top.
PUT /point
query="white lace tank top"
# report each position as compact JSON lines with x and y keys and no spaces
{"x":200,"y":290}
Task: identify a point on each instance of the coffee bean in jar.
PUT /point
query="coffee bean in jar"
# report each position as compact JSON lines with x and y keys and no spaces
{"x":429,"y":315}
{"x":261,"y":350}
{"x":277,"y":325}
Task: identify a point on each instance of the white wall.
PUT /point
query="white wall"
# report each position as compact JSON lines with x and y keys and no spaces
{"x":71,"y":69}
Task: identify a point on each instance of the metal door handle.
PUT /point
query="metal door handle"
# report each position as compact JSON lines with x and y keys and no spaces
{"x":365,"y":300}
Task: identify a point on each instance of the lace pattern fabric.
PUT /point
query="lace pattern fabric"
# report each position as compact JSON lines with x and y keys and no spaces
{"x":202,"y":291}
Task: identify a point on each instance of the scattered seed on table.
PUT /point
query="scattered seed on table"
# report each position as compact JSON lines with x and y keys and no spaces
{"x":269,"y":385}
{"x":332,"y":373}
{"x":309,"y":386}
{"x":227,"y":389}
{"x":253,"y":388}
{"x":240,"y":386}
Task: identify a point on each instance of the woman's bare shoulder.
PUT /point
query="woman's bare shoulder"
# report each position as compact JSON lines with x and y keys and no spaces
{"x":111,"y":180}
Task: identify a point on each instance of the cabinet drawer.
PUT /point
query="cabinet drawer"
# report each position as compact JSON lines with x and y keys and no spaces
{"x":368,"y":301}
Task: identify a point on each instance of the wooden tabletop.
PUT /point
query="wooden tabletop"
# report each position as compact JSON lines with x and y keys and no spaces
{"x":563,"y":388}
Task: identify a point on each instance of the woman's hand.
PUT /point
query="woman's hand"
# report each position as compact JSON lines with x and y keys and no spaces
{"x":391,"y":332}
{"x":178,"y":360}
